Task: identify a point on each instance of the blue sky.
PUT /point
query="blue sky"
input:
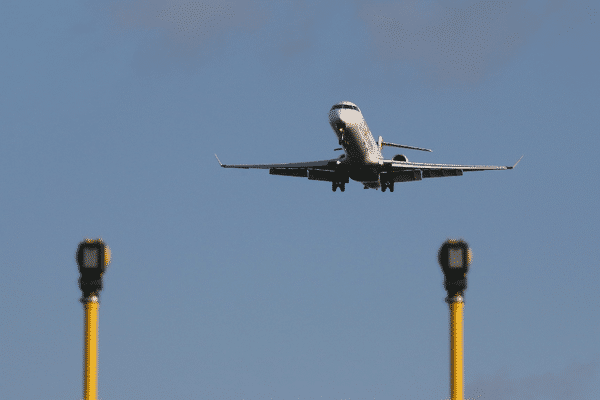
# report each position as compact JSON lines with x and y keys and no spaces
{"x":235,"y":284}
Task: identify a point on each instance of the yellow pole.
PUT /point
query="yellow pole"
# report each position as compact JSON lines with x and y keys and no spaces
{"x":90,"y":373}
{"x":456,"y":347}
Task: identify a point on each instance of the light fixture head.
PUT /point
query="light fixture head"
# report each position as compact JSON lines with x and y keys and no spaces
{"x":93,"y":256}
{"x":455,"y":257}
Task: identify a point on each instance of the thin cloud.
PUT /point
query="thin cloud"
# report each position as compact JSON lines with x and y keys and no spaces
{"x":181,"y":32}
{"x":574,"y":382}
{"x":189,"y":19}
{"x":454,"y":42}
{"x":447,"y":41}
{"x":298,"y":35}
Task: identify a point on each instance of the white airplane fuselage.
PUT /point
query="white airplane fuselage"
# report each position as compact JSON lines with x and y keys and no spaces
{"x":358,"y":143}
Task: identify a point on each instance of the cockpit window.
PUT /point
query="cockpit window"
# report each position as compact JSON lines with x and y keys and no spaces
{"x":345,"y":106}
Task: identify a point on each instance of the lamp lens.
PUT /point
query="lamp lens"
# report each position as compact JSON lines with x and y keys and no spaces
{"x":455,"y":258}
{"x":90,"y":258}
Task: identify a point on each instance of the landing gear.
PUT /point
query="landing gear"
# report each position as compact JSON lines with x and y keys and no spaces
{"x":386,"y":185}
{"x":341,"y":185}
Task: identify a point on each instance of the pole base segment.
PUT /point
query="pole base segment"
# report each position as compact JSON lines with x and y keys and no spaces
{"x":90,"y":342}
{"x":456,"y":347}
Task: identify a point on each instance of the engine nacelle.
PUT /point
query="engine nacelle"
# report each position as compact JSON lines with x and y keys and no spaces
{"x":400,"y":157}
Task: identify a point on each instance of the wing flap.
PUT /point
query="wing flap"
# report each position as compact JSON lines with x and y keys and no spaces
{"x":436,"y":173}
{"x":300,"y":172}
{"x":401,"y":176}
{"x":328,"y":176}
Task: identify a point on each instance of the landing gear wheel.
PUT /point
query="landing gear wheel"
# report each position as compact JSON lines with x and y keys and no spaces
{"x":383,"y":187}
{"x":391,"y":186}
{"x":341,"y":185}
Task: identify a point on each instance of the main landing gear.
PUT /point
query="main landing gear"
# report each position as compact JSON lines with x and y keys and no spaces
{"x":385,"y":185}
{"x":335,"y":185}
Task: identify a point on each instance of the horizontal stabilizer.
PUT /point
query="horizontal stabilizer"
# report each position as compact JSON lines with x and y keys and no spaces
{"x":404,"y":147}
{"x":381,"y":143}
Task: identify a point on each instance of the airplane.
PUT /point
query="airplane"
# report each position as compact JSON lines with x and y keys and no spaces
{"x":362,"y":160}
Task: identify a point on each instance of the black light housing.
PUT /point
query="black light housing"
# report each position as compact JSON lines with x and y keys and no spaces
{"x":455,"y":257}
{"x":92,"y":258}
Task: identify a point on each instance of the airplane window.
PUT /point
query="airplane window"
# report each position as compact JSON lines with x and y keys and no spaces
{"x":344,"y":106}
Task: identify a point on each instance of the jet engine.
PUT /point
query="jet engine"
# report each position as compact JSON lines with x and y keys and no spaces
{"x":400,"y":157}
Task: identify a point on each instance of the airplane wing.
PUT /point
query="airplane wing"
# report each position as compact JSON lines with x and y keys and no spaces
{"x":414,"y":165}
{"x":324,"y":164}
{"x":437,"y":170}
{"x":325,"y":170}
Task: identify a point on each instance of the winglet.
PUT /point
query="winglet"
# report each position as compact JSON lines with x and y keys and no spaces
{"x":222,"y":164}
{"x":515,"y":163}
